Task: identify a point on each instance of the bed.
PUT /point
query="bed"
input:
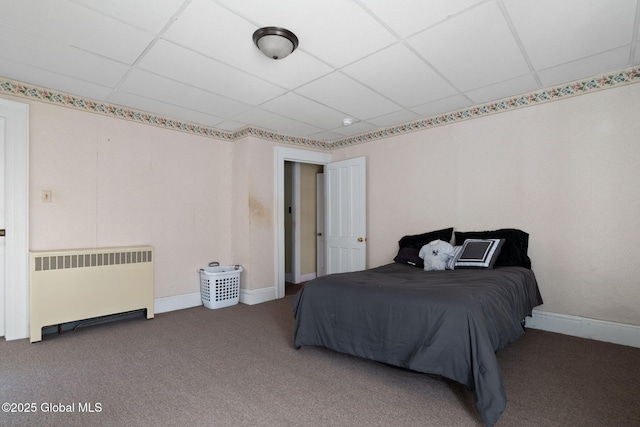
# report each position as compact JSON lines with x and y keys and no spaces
{"x":443,"y":322}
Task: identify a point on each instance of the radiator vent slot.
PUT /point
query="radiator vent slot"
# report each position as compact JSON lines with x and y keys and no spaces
{"x":60,"y":262}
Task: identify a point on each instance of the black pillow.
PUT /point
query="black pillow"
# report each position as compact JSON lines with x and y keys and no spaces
{"x":410,"y":245}
{"x":419,"y":240}
{"x":409,"y":256}
{"x":514,"y":249}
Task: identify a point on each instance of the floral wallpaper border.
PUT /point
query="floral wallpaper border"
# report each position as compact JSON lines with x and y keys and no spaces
{"x":579,"y":87}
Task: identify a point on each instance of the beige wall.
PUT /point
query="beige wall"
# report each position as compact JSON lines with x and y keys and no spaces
{"x":119,"y":183}
{"x":566,"y":172}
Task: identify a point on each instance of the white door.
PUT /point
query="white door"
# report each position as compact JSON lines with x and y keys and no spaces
{"x":14,"y":170}
{"x":345,"y":210}
{"x":321,"y":267}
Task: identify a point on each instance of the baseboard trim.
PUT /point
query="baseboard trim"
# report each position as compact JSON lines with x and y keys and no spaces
{"x":601,"y":330}
{"x":307,"y":277}
{"x":288,"y":277}
{"x":257,"y":296}
{"x":177,"y":302}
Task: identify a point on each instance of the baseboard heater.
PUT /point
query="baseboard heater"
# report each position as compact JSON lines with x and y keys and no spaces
{"x":72,"y":285}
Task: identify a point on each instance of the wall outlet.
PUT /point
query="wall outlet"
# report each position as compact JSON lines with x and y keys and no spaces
{"x":46,"y":196}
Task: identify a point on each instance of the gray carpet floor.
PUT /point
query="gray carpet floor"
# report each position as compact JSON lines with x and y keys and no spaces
{"x":237,"y":367}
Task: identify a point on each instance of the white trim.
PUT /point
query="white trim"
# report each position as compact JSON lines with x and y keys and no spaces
{"x":307,"y":277}
{"x":176,"y":302}
{"x":295,"y":203}
{"x":283,"y":154}
{"x":257,"y":296}
{"x":180,"y":302}
{"x":16,"y":274}
{"x":302,"y":278}
{"x":601,"y":330}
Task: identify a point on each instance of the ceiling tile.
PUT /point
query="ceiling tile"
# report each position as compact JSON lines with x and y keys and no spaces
{"x":298,"y":69}
{"x":146,"y":85}
{"x":473,"y":49}
{"x":267,"y":120}
{"x":58,"y":58}
{"x":402,"y":116}
{"x":207,"y":74}
{"x":337,"y":32}
{"x":411,"y":16}
{"x":304,"y":110}
{"x":325,"y":136}
{"x":212,"y":30}
{"x":400,"y":75}
{"x":503,"y":89}
{"x":609,"y":61}
{"x":90,"y":30}
{"x":147,"y":15}
{"x":46,"y":79}
{"x":230,"y":125}
{"x":348,"y":96}
{"x":556,"y":32}
{"x":442,"y":106}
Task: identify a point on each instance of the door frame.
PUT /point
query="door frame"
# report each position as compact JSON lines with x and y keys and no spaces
{"x":16,"y":274}
{"x":321,"y":266}
{"x":283,"y":154}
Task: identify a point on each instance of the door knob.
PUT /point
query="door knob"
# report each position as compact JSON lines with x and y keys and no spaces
{"x":360,"y":239}
{"x":2,"y":233}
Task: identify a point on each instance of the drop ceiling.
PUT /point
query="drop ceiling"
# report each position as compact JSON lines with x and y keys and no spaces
{"x":377,"y":62}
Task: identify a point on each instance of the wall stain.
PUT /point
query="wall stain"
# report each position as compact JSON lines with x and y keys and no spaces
{"x":259,"y":214}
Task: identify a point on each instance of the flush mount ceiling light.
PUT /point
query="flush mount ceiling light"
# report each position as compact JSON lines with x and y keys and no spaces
{"x":275,"y":42}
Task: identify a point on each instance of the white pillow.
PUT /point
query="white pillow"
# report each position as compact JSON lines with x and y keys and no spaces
{"x":436,"y":254}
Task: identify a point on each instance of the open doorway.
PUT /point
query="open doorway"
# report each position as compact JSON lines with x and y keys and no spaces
{"x":282,"y":155}
{"x":301,"y":223}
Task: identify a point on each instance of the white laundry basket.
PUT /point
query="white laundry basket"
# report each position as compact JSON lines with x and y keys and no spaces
{"x":220,"y":285}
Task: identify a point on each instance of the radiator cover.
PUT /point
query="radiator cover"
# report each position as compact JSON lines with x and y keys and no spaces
{"x":71,"y":285}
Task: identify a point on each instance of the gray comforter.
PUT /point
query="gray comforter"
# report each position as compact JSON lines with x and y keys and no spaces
{"x":448,"y":323}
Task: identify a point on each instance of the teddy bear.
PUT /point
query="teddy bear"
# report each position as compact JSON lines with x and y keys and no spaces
{"x":436,"y":254}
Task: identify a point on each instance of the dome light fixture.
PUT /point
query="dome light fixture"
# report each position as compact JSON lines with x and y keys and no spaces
{"x":275,"y":42}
